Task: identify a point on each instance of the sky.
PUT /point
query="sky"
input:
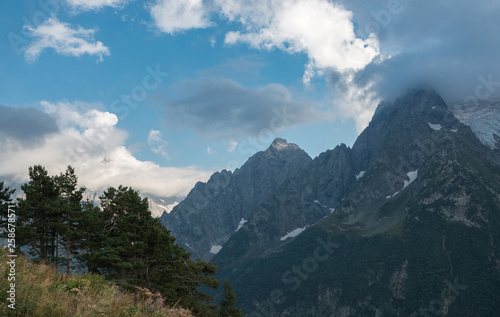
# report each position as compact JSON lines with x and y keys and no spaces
{"x":160,"y":94}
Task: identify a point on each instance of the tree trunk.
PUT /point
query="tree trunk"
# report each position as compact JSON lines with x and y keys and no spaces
{"x":68,"y":240}
{"x":57,"y":250}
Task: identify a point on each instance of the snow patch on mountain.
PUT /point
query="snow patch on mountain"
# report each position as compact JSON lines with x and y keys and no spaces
{"x":436,"y":127}
{"x":412,"y":177}
{"x":293,"y":233}
{"x":360,"y":175}
{"x":242,"y":222}
{"x":215,"y":249}
{"x":482,"y":118}
{"x":318,"y":202}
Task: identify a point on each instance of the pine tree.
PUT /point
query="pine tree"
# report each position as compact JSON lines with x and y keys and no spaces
{"x":89,"y":236}
{"x":126,"y":225}
{"x":5,"y":201}
{"x":39,"y":215}
{"x":70,"y":207}
{"x":5,"y":194}
{"x":178,"y":277}
{"x":135,"y":249}
{"x":227,"y":308}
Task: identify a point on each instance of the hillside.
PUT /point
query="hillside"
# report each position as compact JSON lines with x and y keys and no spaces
{"x":42,"y":291}
{"x":413,"y":227}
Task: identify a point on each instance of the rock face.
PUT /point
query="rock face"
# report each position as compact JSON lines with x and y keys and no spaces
{"x":406,"y":223}
{"x":483,"y":119}
{"x":299,"y":203}
{"x":213,"y":211}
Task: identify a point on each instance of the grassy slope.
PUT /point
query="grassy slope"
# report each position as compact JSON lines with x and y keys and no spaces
{"x":41,"y":291}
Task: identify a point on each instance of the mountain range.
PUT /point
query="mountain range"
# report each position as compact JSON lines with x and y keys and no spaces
{"x":404,"y":223}
{"x":212,"y":212}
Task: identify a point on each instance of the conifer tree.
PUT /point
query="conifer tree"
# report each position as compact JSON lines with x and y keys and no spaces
{"x":5,"y":194}
{"x":125,"y":227}
{"x":227,"y":308}
{"x":70,"y":208}
{"x":89,"y":236}
{"x":5,"y":201}
{"x":137,"y":250}
{"x":39,"y":215}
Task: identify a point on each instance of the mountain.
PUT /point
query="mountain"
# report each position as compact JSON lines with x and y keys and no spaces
{"x":299,"y":203}
{"x":411,"y":225}
{"x":157,"y":205}
{"x":213,"y":211}
{"x":483,"y":118}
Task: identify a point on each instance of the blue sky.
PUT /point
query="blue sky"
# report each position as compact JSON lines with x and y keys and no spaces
{"x":160,"y":94}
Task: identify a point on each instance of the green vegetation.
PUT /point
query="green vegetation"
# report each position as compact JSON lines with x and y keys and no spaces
{"x":227,"y":308}
{"x":42,"y":291}
{"x":120,"y":242}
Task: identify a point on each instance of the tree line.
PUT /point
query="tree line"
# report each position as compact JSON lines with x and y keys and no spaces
{"x":120,"y":240}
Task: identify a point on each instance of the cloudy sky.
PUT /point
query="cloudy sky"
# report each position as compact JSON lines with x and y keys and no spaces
{"x":159,"y":94}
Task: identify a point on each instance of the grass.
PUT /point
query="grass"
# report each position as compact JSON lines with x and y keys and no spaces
{"x":42,"y":291}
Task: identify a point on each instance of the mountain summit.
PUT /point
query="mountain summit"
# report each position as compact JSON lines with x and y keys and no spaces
{"x":410,"y":225}
{"x":215,"y":210}
{"x":281,"y":144}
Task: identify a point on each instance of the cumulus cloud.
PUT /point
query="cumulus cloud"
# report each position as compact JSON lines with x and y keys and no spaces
{"x":374,"y":50}
{"x":172,"y":16}
{"x":89,"y":140}
{"x":321,"y":29}
{"x":352,"y":100}
{"x":451,"y":45}
{"x":86,"y":5}
{"x":157,"y":144}
{"x":224,"y":109}
{"x":27,"y":125}
{"x":63,"y":39}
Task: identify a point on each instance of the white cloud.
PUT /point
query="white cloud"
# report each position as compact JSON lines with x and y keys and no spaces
{"x":157,"y":144}
{"x":210,"y":151}
{"x":232,"y":146}
{"x":355,"y":101}
{"x":86,"y":5}
{"x":64,"y":40}
{"x":89,"y":141}
{"x":321,"y":29}
{"x":172,"y":16}
{"x":154,"y":136}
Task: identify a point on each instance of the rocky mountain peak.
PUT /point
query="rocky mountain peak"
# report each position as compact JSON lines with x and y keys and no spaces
{"x":214,"y":210}
{"x":281,"y":144}
{"x":416,"y":181}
